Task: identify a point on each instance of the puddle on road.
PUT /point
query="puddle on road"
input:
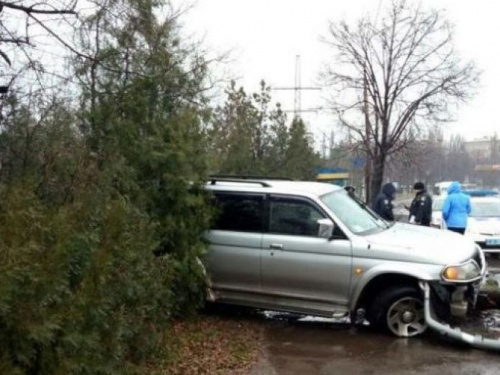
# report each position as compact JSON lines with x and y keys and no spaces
{"x":486,"y":319}
{"x":486,"y":322}
{"x":490,"y":320}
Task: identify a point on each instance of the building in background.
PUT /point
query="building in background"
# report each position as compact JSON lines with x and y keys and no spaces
{"x":337,"y":176}
{"x":485,"y":154}
{"x":481,"y":150}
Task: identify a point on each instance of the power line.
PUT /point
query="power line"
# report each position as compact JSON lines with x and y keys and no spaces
{"x":298,"y":88}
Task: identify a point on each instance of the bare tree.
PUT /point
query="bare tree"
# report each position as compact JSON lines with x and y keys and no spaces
{"x":32,"y":11}
{"x":401,"y":71}
{"x":26,"y":26}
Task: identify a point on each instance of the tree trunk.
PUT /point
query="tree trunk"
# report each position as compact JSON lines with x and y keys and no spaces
{"x":377,"y":178}
{"x":368,"y":174}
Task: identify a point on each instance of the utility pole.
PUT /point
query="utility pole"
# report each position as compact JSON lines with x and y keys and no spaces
{"x":297,"y":103}
{"x":297,"y":89}
{"x":323,"y":147}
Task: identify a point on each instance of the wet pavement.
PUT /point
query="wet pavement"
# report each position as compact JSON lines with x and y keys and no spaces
{"x":314,"y":347}
{"x":295,"y":345}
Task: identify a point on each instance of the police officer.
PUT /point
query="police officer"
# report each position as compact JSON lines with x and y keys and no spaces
{"x":421,"y":207}
{"x":383,"y":203}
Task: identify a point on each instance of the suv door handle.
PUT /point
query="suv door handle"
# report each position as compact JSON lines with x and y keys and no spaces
{"x":276,"y":246}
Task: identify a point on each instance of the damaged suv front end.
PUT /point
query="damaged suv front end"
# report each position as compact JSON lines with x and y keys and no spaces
{"x":458,"y":290}
{"x":459,"y":284}
{"x":447,"y":267}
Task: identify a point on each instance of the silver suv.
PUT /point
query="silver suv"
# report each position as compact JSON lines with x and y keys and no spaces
{"x":315,"y":249}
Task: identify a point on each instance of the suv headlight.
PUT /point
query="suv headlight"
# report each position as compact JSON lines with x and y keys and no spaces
{"x":461,"y":273}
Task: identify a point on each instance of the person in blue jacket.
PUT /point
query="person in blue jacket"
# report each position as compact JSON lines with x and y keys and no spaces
{"x":456,"y":209}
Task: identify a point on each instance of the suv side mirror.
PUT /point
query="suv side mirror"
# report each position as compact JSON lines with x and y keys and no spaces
{"x":326,"y":227}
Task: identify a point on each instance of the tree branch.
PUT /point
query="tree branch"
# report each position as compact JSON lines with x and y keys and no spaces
{"x":29,"y":10}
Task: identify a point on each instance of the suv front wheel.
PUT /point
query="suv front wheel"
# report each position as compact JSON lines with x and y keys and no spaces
{"x":398,"y":310}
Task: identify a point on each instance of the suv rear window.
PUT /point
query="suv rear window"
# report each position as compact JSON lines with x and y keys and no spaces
{"x":239,"y":212}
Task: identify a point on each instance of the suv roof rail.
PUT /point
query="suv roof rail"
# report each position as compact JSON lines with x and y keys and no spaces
{"x":248,"y":177}
{"x":214,"y":180}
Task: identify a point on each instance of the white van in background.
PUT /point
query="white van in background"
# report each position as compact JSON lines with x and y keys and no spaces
{"x":441,"y":188}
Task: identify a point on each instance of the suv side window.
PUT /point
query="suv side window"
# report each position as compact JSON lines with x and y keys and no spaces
{"x":294,"y":217}
{"x":239,"y":212}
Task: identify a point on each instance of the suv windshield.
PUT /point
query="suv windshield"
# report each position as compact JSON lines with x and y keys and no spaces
{"x":356,"y":216}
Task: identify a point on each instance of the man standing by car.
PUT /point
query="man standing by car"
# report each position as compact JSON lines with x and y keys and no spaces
{"x":421,"y":207}
{"x":383,"y":203}
{"x":456,"y":209}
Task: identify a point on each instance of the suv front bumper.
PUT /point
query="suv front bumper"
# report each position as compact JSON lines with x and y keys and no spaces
{"x":477,"y":341}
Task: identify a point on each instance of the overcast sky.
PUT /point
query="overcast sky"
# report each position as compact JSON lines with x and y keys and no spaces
{"x":266,"y":35}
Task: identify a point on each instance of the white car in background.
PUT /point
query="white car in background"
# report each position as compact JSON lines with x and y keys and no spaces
{"x":437,"y":215}
{"x":483,"y":225}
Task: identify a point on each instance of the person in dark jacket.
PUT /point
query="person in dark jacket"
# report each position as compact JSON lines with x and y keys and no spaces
{"x":421,"y":207}
{"x":383,"y":203}
{"x":456,"y":209}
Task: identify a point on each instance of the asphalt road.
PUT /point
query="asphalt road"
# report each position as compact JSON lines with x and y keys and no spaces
{"x":320,"y":346}
{"x":327,"y":348}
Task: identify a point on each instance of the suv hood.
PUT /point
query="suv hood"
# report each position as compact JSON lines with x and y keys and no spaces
{"x":413,"y":243}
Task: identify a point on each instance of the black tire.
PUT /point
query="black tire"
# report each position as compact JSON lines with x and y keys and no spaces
{"x":398,"y":310}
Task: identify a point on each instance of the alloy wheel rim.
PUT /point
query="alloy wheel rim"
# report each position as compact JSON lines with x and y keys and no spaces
{"x":405,"y":317}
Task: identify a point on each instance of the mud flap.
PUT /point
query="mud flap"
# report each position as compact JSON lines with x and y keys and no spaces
{"x":476,"y":341}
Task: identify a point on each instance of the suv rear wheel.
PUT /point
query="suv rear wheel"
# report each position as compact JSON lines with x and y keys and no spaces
{"x":399,"y":310}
